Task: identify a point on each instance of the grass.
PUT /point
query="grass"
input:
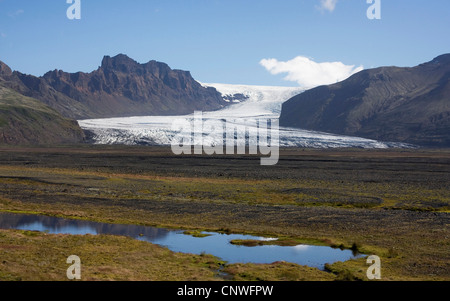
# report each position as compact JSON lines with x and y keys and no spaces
{"x":196,"y":233}
{"x":391,"y":204}
{"x":277,"y":271}
{"x":24,"y":120}
{"x":267,"y":192}
{"x":33,"y":256}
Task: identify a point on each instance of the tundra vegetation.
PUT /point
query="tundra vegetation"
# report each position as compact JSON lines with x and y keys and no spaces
{"x":389,"y":203}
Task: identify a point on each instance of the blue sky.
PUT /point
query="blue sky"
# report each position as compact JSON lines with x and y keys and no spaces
{"x":259,"y":42}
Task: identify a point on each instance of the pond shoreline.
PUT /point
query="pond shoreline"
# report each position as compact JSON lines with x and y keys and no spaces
{"x":57,"y":225}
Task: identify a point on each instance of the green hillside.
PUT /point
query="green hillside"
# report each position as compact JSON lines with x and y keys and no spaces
{"x":25,"y":121}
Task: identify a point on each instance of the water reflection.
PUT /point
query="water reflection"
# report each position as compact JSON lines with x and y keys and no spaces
{"x":54,"y":225}
{"x":216,"y":244}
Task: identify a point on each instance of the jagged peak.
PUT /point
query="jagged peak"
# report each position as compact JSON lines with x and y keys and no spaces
{"x":4,"y":69}
{"x":123,"y":63}
{"x":156,"y":63}
{"x":118,"y":62}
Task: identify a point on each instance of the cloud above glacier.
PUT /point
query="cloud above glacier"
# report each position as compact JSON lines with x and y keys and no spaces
{"x":309,"y":74}
{"x":328,"y":5}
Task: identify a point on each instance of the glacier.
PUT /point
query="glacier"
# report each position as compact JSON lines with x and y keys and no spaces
{"x":247,"y":104}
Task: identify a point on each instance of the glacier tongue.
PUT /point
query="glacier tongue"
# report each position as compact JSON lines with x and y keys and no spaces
{"x":249,"y":103}
{"x":261,"y":101}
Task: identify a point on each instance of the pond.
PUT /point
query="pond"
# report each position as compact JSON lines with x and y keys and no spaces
{"x":217,"y":244}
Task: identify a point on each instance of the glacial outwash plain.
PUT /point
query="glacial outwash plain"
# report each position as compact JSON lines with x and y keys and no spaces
{"x":391,"y":203}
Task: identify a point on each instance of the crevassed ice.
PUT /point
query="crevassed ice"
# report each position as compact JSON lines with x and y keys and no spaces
{"x":261,"y":103}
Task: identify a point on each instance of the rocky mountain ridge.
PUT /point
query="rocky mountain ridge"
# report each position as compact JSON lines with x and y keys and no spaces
{"x":120,"y":87}
{"x":410,"y":105}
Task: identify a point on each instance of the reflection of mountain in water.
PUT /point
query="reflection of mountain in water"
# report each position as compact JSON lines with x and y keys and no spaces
{"x":215,"y":244}
{"x":59,"y":225}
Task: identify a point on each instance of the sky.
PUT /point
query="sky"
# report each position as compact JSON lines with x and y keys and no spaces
{"x":255,"y":42}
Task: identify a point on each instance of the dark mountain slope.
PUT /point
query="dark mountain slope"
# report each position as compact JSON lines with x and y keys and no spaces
{"x":24,"y":121}
{"x":390,"y":103}
{"x":120,"y":87}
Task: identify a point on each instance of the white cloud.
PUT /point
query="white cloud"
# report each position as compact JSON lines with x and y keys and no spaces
{"x":329,"y":5}
{"x":309,"y":74}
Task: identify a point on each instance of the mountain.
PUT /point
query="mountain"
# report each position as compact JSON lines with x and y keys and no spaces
{"x":25,"y":121}
{"x":4,"y":70}
{"x":410,"y":105}
{"x":119,"y":87}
